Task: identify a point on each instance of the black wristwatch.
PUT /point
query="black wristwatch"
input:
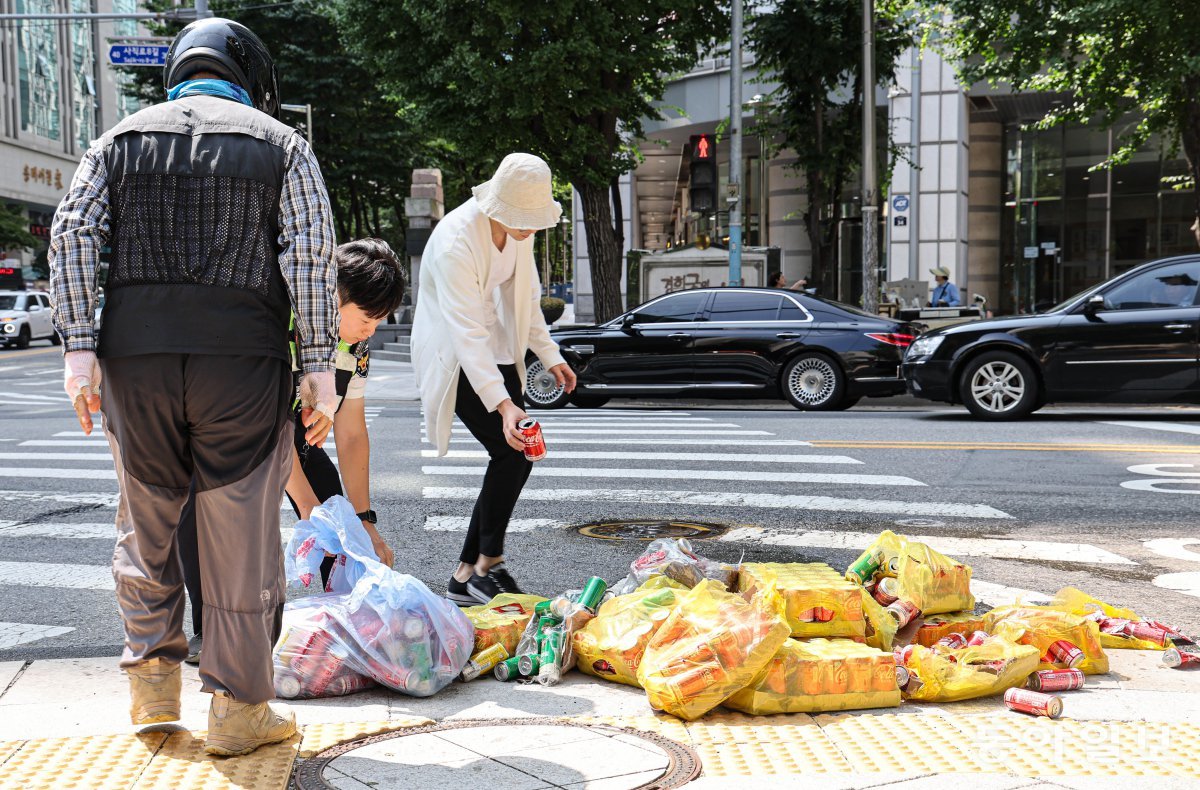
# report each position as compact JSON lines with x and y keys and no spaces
{"x":368,"y":516}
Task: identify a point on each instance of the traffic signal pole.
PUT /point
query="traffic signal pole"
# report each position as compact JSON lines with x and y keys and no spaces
{"x":735,"y":147}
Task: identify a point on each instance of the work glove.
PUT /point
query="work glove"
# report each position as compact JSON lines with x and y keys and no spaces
{"x":81,"y":380}
{"x":318,"y":404}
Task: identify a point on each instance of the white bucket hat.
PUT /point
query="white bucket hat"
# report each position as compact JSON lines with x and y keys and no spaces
{"x":519,"y":194}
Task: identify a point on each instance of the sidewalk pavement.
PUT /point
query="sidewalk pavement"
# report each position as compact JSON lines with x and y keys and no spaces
{"x":391,"y":381}
{"x":63,"y":723}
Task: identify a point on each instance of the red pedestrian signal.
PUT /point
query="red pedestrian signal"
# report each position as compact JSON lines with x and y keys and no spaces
{"x":702,"y":172}
{"x":703,"y":147}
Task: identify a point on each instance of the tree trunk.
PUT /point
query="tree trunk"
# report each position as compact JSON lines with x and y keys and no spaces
{"x":1190,"y":132}
{"x":604,"y":251}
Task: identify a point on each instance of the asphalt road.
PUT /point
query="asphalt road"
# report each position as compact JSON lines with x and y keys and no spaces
{"x":1099,"y":498}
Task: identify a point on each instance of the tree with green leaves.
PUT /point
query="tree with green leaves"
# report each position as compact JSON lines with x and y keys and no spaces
{"x":813,"y":50}
{"x":14,"y":229}
{"x":1112,"y":58}
{"x":571,"y":81}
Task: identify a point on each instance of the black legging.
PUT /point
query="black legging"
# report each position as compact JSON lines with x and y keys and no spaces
{"x":506,"y":472}
{"x":322,"y":476}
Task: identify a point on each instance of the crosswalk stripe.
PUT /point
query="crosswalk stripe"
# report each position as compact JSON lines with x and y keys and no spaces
{"x":733,"y":499}
{"x":692,"y":474}
{"x":560,"y":416}
{"x":648,"y":432}
{"x":72,"y":531}
{"x":13,"y":634}
{"x":62,"y":474}
{"x":460,"y":524}
{"x":102,"y":442}
{"x":29,"y":396}
{"x":954,"y":546}
{"x":999,"y":595}
{"x":1175,"y":427}
{"x":600,"y":455}
{"x":616,"y":440}
{"x":556,"y":425}
{"x":50,"y":574}
{"x":95,"y":500}
{"x":56,"y":457}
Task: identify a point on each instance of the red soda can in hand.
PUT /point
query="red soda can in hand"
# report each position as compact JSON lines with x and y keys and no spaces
{"x":535,"y":445}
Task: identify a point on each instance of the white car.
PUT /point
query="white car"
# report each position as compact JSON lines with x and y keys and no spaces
{"x":25,"y":317}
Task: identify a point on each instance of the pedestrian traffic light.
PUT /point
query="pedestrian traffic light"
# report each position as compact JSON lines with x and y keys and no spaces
{"x":703,"y":174}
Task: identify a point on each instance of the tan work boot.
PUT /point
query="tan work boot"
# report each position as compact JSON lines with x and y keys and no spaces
{"x":239,"y":728}
{"x":154,"y":688}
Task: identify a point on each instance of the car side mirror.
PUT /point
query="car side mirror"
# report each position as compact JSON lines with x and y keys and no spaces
{"x":627,"y":323}
{"x":33,"y":308}
{"x":1093,"y":305}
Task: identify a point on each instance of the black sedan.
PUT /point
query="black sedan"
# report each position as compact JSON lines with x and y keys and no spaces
{"x":732,"y":343}
{"x":1133,"y":339}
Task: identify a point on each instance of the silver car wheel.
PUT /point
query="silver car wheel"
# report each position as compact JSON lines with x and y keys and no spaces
{"x":997,"y":387}
{"x":812,"y":381}
{"x":540,"y":385}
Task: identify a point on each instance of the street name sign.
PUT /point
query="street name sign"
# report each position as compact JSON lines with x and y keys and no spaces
{"x":138,"y":54}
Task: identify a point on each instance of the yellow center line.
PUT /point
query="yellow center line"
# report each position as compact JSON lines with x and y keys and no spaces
{"x":1013,"y":446}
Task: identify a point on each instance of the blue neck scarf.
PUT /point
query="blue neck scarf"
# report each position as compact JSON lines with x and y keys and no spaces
{"x":210,"y":87}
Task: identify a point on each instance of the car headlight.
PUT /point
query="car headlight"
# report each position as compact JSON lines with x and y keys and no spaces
{"x":924,"y":347}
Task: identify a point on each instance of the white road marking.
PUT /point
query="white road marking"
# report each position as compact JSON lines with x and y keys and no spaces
{"x":101,"y":442}
{"x":49,"y":574}
{"x":999,"y":595}
{"x":460,"y":524}
{"x":11,"y":367}
{"x":56,"y":457}
{"x":1187,"y":583}
{"x":952,"y":546}
{"x":13,"y":634}
{"x":28,"y":396}
{"x":1156,"y":484}
{"x":600,"y":455}
{"x":647,"y":432}
{"x":692,"y":474}
{"x":611,"y":418}
{"x":96,"y":500}
{"x":733,"y":499}
{"x":1174,"y":427}
{"x":92,"y":531}
{"x":61,"y":474}
{"x":548,"y":425}
{"x":718,"y":442}
{"x":1163,"y":470}
{"x":1174,"y":548}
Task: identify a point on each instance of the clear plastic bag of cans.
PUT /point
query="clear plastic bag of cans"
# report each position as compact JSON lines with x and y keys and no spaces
{"x":1063,"y":640}
{"x":546,"y":651}
{"x":713,"y":643}
{"x":611,"y":645}
{"x":397,"y":631}
{"x":963,"y":667}
{"x":311,"y":655}
{"x":1119,"y":628}
{"x":675,"y":559}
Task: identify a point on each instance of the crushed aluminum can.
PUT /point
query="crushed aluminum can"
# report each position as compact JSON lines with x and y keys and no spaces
{"x":1034,"y":703}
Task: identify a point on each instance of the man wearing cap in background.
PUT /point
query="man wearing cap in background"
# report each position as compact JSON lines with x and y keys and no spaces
{"x":219,"y":223}
{"x":945,"y":293}
{"x":478,"y":314}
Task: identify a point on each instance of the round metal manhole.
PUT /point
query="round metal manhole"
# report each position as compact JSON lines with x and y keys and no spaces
{"x":651,"y":529}
{"x":503,"y":753}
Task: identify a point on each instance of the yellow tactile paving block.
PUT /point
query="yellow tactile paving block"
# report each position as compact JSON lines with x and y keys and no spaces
{"x":6,"y":750}
{"x":900,"y":743}
{"x":319,"y":737}
{"x":733,"y":744}
{"x":97,"y":763}
{"x":182,"y":763}
{"x":1030,"y":746}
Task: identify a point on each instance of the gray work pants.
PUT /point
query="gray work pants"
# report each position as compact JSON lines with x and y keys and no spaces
{"x":222,"y":423}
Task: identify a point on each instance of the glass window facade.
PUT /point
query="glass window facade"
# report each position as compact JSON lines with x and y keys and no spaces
{"x":1066,"y":226}
{"x":37,"y":67}
{"x":83,"y":73}
{"x":127,"y":104}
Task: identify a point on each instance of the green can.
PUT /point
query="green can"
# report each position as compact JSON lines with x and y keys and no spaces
{"x":551,"y":649}
{"x":528,"y":665}
{"x":592,"y":593}
{"x":542,"y":608}
{"x":546,"y":623}
{"x":863,"y":569}
{"x":508,"y":670}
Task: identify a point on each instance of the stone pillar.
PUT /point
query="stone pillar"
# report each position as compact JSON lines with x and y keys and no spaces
{"x":423,"y":208}
{"x":787,"y":196}
{"x":985,"y":199}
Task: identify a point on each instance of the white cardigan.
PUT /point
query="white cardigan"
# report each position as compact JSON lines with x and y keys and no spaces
{"x":449,"y":333}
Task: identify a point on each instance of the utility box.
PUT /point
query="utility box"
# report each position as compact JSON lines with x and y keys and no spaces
{"x":687,"y":268}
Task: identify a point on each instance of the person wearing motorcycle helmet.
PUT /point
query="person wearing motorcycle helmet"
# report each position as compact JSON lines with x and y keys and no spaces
{"x":219,"y":227}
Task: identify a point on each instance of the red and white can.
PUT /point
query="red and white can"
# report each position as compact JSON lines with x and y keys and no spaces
{"x":1064,"y":652}
{"x":1055,"y":680}
{"x":1149,"y":631}
{"x":978,"y":638}
{"x":886,"y":591}
{"x":1182,"y":656}
{"x":535,"y":445}
{"x":952,"y":642}
{"x":904,"y":612}
{"x":1034,"y":703}
{"x":903,"y":654}
{"x":816,"y":615}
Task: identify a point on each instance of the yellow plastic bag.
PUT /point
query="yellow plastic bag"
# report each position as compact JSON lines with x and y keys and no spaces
{"x":815,"y":675}
{"x":881,"y":626}
{"x":939,"y":626}
{"x":878,"y":559}
{"x":612,"y":644}
{"x":502,"y":620}
{"x":1044,"y":627}
{"x":976,"y":671}
{"x":713,"y":644}
{"x":1070,"y":599}
{"x":817,"y":601}
{"x":933,"y":582}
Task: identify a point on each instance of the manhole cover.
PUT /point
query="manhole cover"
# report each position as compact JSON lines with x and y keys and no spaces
{"x":651,"y":529}
{"x":503,"y":753}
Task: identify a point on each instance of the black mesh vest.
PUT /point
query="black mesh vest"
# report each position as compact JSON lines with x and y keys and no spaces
{"x":194,"y":188}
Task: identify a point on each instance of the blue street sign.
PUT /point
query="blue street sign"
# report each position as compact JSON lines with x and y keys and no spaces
{"x":900,"y":202}
{"x":138,"y":54}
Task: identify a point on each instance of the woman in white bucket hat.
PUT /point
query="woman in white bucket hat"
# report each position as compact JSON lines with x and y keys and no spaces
{"x":478,"y":314}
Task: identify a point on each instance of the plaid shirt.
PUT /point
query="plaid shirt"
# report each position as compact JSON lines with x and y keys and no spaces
{"x":83,"y":221}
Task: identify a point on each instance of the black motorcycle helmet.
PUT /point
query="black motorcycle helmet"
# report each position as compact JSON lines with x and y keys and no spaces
{"x":229,"y":50}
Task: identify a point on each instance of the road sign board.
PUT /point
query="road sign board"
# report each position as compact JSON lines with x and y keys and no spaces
{"x":138,"y":54}
{"x":1031,"y":252}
